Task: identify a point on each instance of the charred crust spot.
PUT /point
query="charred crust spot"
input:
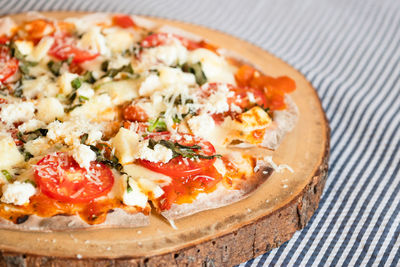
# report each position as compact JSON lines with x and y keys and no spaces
{"x":22,"y":219}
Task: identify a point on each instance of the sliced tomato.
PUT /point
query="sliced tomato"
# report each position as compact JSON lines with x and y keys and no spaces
{"x":244,"y":75}
{"x":179,"y":166}
{"x":123,"y":21}
{"x":64,"y":48}
{"x":134,"y":113}
{"x":61,"y":178}
{"x":8,"y":65}
{"x":162,"y":38}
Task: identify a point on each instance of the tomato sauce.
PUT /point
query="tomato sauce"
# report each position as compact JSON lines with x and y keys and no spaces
{"x":93,"y":212}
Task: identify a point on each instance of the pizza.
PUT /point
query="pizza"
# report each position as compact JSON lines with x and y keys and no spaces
{"x":107,"y":117}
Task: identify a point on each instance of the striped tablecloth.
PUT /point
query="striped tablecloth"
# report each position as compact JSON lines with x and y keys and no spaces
{"x":350,"y":51}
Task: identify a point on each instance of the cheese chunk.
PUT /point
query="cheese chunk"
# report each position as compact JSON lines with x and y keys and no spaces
{"x":94,"y":41}
{"x":64,"y":82}
{"x":9,"y":153}
{"x":120,"y":91}
{"x":24,"y":47}
{"x":41,"y":49}
{"x":49,"y":109}
{"x":125,"y":143}
{"x":202,"y":125}
{"x":149,"y":85}
{"x":17,"y":193}
{"x":254,"y":119}
{"x":31,"y":125}
{"x":214,"y":67}
{"x":37,"y":146}
{"x":132,"y":195}
{"x":98,"y":108}
{"x":83,"y":155}
{"x":150,"y":187}
{"x":170,"y":76}
{"x":118,"y":40}
{"x":40,"y":86}
{"x":16,"y":112}
{"x":170,"y":55}
{"x":158,"y":154}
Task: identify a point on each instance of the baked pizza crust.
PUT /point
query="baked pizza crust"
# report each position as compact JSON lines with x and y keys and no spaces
{"x":118,"y":218}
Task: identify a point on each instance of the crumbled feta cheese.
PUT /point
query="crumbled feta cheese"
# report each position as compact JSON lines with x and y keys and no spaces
{"x":37,"y":146}
{"x":133,"y":196}
{"x":170,"y":55}
{"x":31,"y":125}
{"x":40,"y":86}
{"x":85,"y":90}
{"x":9,"y":153}
{"x":17,"y":193}
{"x":217,"y":102}
{"x":69,"y":132}
{"x":94,"y":135}
{"x":83,"y":155}
{"x":149,"y":85}
{"x":49,"y":109}
{"x":16,"y":112}
{"x":170,"y":76}
{"x":201,"y":125}
{"x":125,"y":143}
{"x":251,"y":97}
{"x":159,"y":154}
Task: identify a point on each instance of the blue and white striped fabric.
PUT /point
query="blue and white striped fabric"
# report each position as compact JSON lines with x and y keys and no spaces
{"x":350,"y":51}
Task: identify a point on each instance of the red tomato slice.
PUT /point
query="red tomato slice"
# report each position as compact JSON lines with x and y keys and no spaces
{"x":179,"y":166}
{"x":162,"y":38}
{"x":3,"y":39}
{"x":64,"y":48}
{"x":60,"y":177}
{"x":123,"y":21}
{"x":8,"y":65}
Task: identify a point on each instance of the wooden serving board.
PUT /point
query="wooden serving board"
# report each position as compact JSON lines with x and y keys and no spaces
{"x":220,"y":237}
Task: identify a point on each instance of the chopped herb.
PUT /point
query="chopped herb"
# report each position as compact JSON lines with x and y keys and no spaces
{"x":23,"y":63}
{"x":27,"y":155}
{"x":128,"y":186}
{"x":112,"y":161}
{"x":71,"y":97}
{"x":181,"y":150}
{"x":83,"y":98}
{"x":76,"y":83}
{"x":72,"y":108}
{"x":158,"y":125}
{"x":155,"y":71}
{"x":176,"y":119}
{"x":88,"y":77}
{"x":18,"y":92}
{"x":104,"y":65}
{"x":84,"y":138}
{"x":54,"y":67}
{"x":30,"y":182}
{"x":113,"y":72}
{"x":7,"y":175}
{"x":197,"y":71}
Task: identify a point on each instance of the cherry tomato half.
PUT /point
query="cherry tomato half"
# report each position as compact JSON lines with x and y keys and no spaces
{"x":134,"y":113}
{"x":60,"y":177}
{"x":8,"y":65}
{"x":64,"y":48}
{"x":180,"y":166}
{"x":123,"y":21}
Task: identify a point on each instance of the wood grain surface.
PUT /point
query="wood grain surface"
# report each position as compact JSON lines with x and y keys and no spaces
{"x":220,"y":237}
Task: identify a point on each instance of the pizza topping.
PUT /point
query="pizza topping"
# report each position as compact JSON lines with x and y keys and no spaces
{"x":17,"y":193}
{"x":60,"y":177}
{"x":89,"y":101}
